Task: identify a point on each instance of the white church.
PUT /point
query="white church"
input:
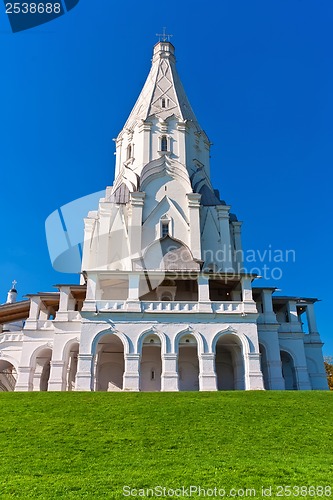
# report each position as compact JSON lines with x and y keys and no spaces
{"x":164,"y":302}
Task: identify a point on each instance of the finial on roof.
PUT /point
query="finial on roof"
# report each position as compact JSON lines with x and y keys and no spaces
{"x":14,"y":283}
{"x":163,"y":37}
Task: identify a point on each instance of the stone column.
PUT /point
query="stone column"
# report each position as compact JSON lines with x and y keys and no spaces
{"x":311,"y":317}
{"x":71,"y":371}
{"x":131,"y":380}
{"x":253,"y":375}
{"x":84,"y":372}
{"x":66,"y":303}
{"x":292,"y":313}
{"x":57,"y":380}
{"x":203,"y":294}
{"x":207,"y":374}
{"x":267,"y":303}
{"x":194,"y":216}
{"x":35,"y":306}
{"x":133,"y":302}
{"x":223,"y":218}
{"x":91,"y":296}
{"x":169,"y":379}
{"x":247,"y":298}
{"x":37,"y":377}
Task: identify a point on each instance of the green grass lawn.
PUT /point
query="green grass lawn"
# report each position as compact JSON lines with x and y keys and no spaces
{"x":90,"y":445}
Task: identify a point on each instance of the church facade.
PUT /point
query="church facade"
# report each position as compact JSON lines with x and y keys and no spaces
{"x":164,"y":303}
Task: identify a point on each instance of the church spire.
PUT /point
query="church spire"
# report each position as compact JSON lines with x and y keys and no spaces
{"x":162,"y":127}
{"x":163,"y":94}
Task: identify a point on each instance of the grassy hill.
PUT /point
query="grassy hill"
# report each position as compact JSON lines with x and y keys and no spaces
{"x":91,"y":445}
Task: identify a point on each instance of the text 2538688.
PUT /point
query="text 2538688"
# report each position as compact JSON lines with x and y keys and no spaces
{"x":33,"y":8}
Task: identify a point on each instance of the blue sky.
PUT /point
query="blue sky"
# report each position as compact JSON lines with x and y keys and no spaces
{"x":259,"y":76}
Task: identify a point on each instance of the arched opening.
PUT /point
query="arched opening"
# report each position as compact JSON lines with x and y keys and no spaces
{"x":229,"y":364}
{"x":264,"y":366}
{"x":151,"y":364}
{"x":288,"y":371}
{"x":42,"y":370}
{"x":8,"y":376}
{"x":72,"y":367}
{"x":109,"y":364}
{"x":188,"y":364}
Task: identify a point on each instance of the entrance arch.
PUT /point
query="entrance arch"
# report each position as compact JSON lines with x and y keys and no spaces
{"x":151,"y":364}
{"x":8,"y":376}
{"x":229,"y":363}
{"x":41,"y":362}
{"x":188,"y":363}
{"x":288,"y":371}
{"x":109,"y":363}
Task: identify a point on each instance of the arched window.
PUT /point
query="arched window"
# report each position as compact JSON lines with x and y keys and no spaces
{"x":164,"y":143}
{"x":129,"y":151}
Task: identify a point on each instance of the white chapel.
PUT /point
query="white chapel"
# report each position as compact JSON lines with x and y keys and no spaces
{"x":164,"y":302}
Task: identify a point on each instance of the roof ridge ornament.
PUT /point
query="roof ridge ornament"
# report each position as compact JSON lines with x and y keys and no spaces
{"x":163,"y":37}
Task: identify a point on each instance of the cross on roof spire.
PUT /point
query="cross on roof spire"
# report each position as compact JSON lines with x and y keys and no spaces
{"x":163,"y":37}
{"x":14,"y":283}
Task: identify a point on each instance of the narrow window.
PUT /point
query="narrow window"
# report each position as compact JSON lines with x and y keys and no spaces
{"x":153,"y":374}
{"x":165,"y":229}
{"x":164,"y":143}
{"x":163,"y":103}
{"x":129,"y":151}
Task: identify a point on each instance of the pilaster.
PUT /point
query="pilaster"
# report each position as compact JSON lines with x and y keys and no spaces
{"x":194,"y":216}
{"x":24,"y":379}
{"x":203,"y":294}
{"x":311,"y":317}
{"x":91,"y":295}
{"x":169,"y":378}
{"x":84,"y":373}
{"x":247,"y":297}
{"x":223,"y":218}
{"x":267,"y":302}
{"x":145,"y":130}
{"x":207,"y":374}
{"x":239,"y":261}
{"x":253,"y":378}
{"x":182,"y":131}
{"x":57,"y":380}
{"x":131,"y":380}
{"x":135,"y":223}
